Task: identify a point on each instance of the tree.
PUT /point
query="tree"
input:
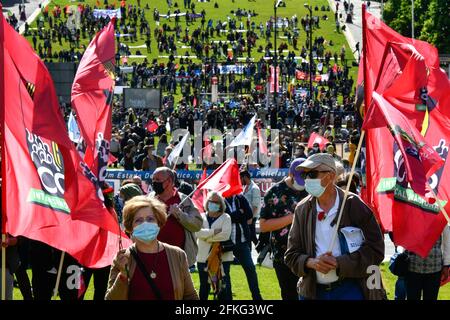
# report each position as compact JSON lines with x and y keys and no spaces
{"x":431,"y":21}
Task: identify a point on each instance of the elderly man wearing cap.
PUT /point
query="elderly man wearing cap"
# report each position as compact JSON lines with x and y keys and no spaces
{"x":276,"y":218}
{"x":342,"y":272}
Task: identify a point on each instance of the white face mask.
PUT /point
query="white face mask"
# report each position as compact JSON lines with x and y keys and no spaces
{"x":314,"y":187}
{"x":213,"y":207}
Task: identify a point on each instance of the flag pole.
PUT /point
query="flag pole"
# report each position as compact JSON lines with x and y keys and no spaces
{"x":3,"y":267}
{"x":347,"y":188}
{"x":444,"y":212}
{"x":58,"y":277}
{"x":175,"y":162}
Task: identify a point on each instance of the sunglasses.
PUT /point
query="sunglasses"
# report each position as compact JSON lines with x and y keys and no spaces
{"x":311,"y":174}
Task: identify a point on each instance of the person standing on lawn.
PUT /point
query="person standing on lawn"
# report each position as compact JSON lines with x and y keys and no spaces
{"x":276,"y":218}
{"x":336,"y":274}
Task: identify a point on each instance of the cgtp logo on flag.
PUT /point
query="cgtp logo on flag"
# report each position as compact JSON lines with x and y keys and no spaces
{"x":49,"y":165}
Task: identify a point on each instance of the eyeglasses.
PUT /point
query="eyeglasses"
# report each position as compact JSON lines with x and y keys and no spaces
{"x":141,"y":220}
{"x":311,"y":174}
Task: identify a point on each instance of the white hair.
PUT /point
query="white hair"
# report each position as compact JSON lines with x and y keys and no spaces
{"x":221,"y":200}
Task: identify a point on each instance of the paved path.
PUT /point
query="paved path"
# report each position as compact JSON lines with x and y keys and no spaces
{"x":353,"y":31}
{"x":31,"y":9}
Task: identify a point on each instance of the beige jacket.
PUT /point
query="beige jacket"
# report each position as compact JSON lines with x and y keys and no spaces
{"x":301,"y":245}
{"x":179,"y":270}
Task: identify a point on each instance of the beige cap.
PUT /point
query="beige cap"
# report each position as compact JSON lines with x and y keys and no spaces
{"x":319,"y":162}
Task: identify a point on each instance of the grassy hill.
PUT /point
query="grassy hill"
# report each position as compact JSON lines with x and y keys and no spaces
{"x":263,"y":8}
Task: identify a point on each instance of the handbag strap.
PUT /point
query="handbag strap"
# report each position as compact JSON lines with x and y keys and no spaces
{"x":144,"y":271}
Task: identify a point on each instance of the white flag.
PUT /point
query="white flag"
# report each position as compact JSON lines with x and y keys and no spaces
{"x":74,"y":131}
{"x":246,"y":135}
{"x":178,"y":148}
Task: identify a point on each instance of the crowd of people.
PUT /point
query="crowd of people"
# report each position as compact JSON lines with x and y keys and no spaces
{"x":296,"y":216}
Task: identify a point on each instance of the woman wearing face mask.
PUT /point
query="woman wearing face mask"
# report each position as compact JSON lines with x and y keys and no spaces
{"x":149,"y":269}
{"x":276,"y":219}
{"x":216,"y":228}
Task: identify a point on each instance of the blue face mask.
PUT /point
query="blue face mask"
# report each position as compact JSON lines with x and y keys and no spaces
{"x":146,"y":232}
{"x":213,"y":207}
{"x":314,"y":187}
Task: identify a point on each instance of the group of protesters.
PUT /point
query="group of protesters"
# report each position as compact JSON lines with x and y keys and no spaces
{"x":296,"y":216}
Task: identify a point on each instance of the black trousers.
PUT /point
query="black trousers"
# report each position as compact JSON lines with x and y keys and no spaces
{"x":101,"y":277}
{"x":287,"y":281}
{"x":424,"y":285}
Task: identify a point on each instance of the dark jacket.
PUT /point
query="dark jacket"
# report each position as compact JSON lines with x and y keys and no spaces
{"x":240,"y":216}
{"x":301,"y":245}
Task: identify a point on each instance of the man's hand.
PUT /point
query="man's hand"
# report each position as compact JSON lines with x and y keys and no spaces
{"x":10,"y":241}
{"x":323,"y":263}
{"x":175,"y":211}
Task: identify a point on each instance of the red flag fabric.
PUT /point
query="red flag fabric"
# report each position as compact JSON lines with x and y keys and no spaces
{"x":261,"y":139}
{"x":50,"y":196}
{"x":200,"y":194}
{"x":317,"y":138}
{"x":112,"y":159}
{"x":92,"y":94}
{"x":396,"y":75}
{"x":151,"y":126}
{"x":224,"y":180}
{"x":272,"y":79}
{"x":421,"y":160}
{"x":207,"y":150}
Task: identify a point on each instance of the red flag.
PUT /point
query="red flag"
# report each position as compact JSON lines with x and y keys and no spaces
{"x":151,"y":126}
{"x":111,"y":159}
{"x":317,"y":138}
{"x":50,"y":196}
{"x":272,"y":79}
{"x":421,"y":160}
{"x":261,"y":139}
{"x":225,"y":179}
{"x":92,"y":94}
{"x":200,"y":194}
{"x":207,"y":150}
{"x":416,"y":224}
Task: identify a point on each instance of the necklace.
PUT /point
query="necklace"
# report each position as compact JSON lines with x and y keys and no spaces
{"x":153,"y":273}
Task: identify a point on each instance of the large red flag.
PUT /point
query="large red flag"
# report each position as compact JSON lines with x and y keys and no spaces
{"x":49,"y":197}
{"x":200,"y":194}
{"x":92,"y":93}
{"x":317,"y":138}
{"x":225,"y":179}
{"x":398,"y":76}
{"x":421,"y":160}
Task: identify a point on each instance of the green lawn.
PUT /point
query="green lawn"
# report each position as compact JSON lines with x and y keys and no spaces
{"x":264,"y":9}
{"x":268,"y":285}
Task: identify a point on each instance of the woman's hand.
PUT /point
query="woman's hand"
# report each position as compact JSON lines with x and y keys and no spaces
{"x":121,"y":261}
